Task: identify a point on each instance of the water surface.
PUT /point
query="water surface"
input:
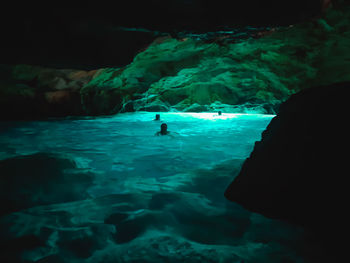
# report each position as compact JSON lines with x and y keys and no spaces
{"x":151,"y":198}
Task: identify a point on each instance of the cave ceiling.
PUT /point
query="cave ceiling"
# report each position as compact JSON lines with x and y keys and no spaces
{"x":89,"y":35}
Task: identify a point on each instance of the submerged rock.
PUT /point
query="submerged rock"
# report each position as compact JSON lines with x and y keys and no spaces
{"x":298,"y":171}
{"x":40,"y":179}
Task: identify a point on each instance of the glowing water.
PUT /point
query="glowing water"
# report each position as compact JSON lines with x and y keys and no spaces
{"x":152,"y":198}
{"x":125,"y":145}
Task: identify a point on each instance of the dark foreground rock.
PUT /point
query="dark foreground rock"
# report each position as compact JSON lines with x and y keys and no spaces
{"x":40,"y":179}
{"x":298,"y":171}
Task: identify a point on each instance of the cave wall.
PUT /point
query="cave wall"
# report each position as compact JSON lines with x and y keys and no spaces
{"x":298,"y":171}
{"x":250,"y":70}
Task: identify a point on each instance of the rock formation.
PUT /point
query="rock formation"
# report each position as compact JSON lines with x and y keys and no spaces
{"x":29,"y":92}
{"x":298,"y":171}
{"x":252,"y":74}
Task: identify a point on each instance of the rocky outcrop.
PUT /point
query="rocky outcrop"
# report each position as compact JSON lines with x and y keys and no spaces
{"x":298,"y":171}
{"x":250,"y":76}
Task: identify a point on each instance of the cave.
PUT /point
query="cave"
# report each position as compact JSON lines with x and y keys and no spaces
{"x":174,"y":131}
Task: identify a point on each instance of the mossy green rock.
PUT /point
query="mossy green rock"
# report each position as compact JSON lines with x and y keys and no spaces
{"x":264,"y":71}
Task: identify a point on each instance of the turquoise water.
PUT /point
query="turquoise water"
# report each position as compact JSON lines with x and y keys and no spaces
{"x":125,"y":145}
{"x":151,"y":198}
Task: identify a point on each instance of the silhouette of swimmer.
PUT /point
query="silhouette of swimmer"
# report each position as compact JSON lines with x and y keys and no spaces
{"x":157,"y":117}
{"x":219,"y":112}
{"x":163,"y":130}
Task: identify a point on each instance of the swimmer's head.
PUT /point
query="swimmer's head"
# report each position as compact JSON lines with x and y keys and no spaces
{"x":219,"y":112}
{"x":157,"y":117}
